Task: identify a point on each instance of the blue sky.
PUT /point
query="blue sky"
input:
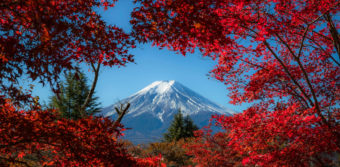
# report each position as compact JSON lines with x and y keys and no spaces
{"x":151,"y":65}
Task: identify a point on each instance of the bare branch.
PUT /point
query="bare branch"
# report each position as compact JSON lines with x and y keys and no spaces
{"x":122,"y":111}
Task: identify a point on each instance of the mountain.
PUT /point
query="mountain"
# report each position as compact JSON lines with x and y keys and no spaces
{"x":152,"y":109}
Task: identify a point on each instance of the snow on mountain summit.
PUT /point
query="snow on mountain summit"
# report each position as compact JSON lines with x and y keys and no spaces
{"x":163,"y":98}
{"x":158,"y":87}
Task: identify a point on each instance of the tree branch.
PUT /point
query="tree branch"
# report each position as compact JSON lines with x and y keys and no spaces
{"x":303,"y":39}
{"x":318,"y":111}
{"x":325,"y":51}
{"x":121,"y":113}
{"x":334,"y":33}
{"x":89,"y":96}
{"x":288,"y":73}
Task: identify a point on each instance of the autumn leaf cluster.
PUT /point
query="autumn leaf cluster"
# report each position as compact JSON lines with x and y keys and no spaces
{"x":84,"y":142}
{"x":173,"y":153}
{"x":281,"y":56}
{"x":41,"y":39}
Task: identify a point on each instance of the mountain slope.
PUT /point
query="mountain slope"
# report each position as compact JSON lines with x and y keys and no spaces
{"x":152,"y":108}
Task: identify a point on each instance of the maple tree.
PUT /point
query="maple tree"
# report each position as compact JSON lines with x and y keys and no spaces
{"x":32,"y":132}
{"x":83,"y":142}
{"x":209,"y":149}
{"x":283,"y":56}
{"x":41,"y":39}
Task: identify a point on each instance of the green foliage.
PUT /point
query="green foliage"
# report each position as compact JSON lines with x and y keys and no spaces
{"x":189,"y":127}
{"x":73,"y":95}
{"x":180,"y":127}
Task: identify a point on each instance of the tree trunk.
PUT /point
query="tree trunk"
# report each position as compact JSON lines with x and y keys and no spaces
{"x":82,"y":109}
{"x":122,"y":111}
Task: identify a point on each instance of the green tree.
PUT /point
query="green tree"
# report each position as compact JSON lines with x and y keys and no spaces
{"x":73,"y":95}
{"x":189,"y":127}
{"x":180,"y":127}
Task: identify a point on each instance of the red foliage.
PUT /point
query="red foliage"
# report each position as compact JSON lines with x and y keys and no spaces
{"x":286,"y":51}
{"x":62,"y":142}
{"x":213,"y":149}
{"x":43,"y":38}
{"x":279,"y":138}
{"x":151,"y":161}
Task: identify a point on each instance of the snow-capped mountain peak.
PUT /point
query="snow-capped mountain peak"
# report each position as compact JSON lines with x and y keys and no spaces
{"x":153,"y":107}
{"x":158,"y":87}
{"x":163,"y":98}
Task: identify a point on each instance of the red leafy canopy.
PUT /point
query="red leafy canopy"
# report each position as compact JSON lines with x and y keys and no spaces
{"x":70,"y":142}
{"x":42,"y":38}
{"x":62,"y":142}
{"x":273,"y":50}
{"x":213,"y":150}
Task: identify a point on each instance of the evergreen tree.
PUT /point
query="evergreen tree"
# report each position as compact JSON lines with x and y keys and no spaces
{"x":73,"y":95}
{"x":189,"y":127}
{"x":180,"y":128}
